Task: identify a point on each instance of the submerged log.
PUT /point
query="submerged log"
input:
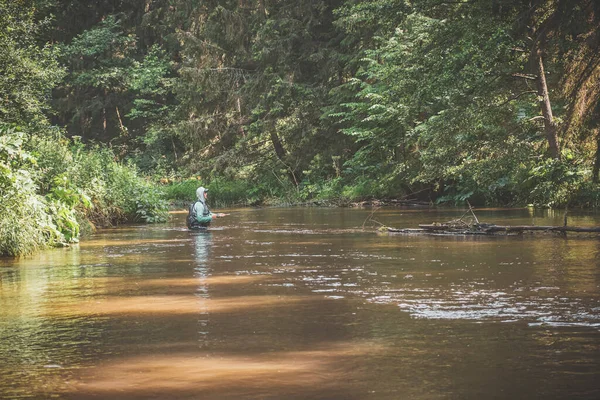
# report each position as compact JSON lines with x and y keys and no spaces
{"x":436,"y":231}
{"x":472,"y":226}
{"x":489,"y":229}
{"x":522,"y":228}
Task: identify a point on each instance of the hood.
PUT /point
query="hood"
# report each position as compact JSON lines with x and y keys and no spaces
{"x":200,"y":193}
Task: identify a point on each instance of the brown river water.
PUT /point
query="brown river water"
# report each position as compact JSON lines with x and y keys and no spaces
{"x":305,"y":303}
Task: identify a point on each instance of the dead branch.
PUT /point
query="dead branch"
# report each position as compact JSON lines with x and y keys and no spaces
{"x":370,"y":218}
{"x":472,"y":212}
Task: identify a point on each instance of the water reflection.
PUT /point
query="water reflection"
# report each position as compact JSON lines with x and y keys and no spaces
{"x":202,"y":243}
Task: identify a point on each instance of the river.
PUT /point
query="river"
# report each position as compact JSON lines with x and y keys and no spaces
{"x":306,"y":303}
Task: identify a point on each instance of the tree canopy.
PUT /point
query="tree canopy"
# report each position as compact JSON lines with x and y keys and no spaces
{"x":491,"y":101}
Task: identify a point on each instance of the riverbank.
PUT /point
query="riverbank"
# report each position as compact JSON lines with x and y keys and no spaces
{"x":231,"y":193}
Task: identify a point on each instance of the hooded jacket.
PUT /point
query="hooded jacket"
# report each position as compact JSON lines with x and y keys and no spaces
{"x":203,"y":214}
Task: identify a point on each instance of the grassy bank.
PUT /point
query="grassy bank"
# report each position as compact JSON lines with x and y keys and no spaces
{"x":58,"y":188}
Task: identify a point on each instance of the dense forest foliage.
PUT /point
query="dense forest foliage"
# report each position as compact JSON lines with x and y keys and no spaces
{"x":103,"y":102}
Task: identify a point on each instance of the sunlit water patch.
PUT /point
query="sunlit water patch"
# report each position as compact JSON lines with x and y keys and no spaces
{"x":490,"y":305}
{"x":476,"y":301}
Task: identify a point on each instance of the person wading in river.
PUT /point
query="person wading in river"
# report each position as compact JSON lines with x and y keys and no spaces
{"x":199,"y":215}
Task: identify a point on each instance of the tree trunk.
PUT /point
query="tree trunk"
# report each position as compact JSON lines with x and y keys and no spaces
{"x":104,"y":122}
{"x":549,"y":124}
{"x":104,"y":118}
{"x":281,"y":153}
{"x":262,"y":8}
{"x":238,"y":106}
{"x":596,"y":169}
{"x":279,"y":150}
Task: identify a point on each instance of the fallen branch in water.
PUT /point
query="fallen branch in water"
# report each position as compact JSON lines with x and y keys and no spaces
{"x":474,"y":227}
{"x":490,"y":228}
{"x":370,"y":218}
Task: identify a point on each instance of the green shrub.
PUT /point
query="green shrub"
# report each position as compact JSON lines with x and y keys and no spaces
{"x":150,"y":205}
{"x":588,"y":195}
{"x":63,"y":202}
{"x":116,"y":191}
{"x":126,"y":196}
{"x":225,"y":193}
{"x":27,"y":226}
{"x":552,"y":183}
{"x":184,"y":190}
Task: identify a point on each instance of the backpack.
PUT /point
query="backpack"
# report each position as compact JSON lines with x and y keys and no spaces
{"x":191,"y":218}
{"x":191,"y":221}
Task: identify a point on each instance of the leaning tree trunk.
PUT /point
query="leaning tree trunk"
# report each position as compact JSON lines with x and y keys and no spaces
{"x":596,"y":170}
{"x":281,"y":155}
{"x":549,"y":124}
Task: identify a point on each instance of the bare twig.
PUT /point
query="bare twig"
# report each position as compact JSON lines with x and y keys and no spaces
{"x":413,"y":193}
{"x":537,"y":118}
{"x":370,"y":218}
{"x":515,"y":97}
{"x":525,"y":76}
{"x":377,"y":222}
{"x":471,"y":209}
